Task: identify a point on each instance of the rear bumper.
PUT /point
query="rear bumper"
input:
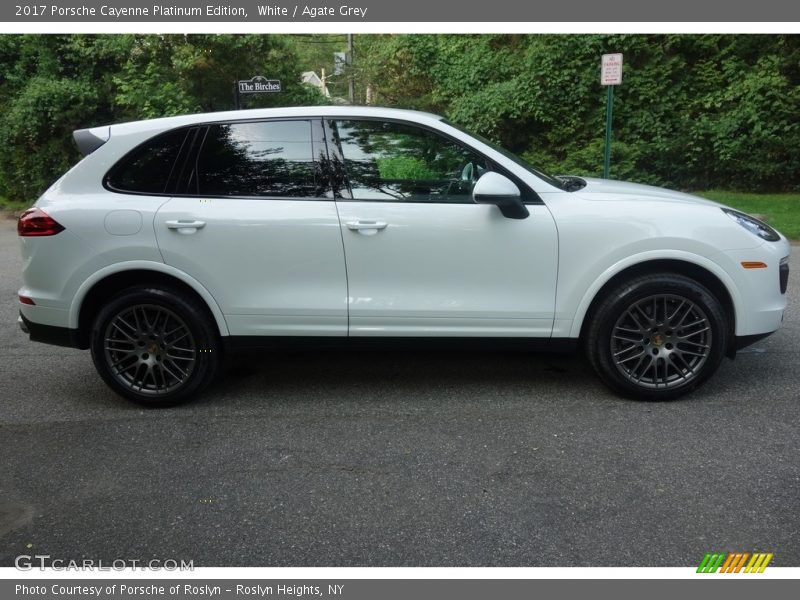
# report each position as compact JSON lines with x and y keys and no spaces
{"x":743,"y":341}
{"x":784,"y":274}
{"x":50,"y":334}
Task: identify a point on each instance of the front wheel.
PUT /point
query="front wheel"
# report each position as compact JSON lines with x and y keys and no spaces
{"x":657,"y":337}
{"x":155,"y":346}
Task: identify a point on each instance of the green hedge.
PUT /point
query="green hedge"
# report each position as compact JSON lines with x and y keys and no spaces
{"x":693,"y":111}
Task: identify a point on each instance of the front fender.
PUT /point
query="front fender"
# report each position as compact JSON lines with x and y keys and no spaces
{"x":636,"y":259}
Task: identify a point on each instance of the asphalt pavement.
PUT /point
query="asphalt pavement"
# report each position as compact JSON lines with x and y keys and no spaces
{"x":397,"y":459}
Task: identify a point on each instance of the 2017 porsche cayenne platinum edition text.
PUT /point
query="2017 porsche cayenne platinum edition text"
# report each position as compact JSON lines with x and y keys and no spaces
{"x":178,"y":240}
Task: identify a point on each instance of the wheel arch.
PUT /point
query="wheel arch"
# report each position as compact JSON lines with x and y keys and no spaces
{"x":107,"y":282}
{"x":704,"y":272}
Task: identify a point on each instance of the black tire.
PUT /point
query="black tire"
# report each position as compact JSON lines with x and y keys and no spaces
{"x":155,"y":346}
{"x":657,"y":337}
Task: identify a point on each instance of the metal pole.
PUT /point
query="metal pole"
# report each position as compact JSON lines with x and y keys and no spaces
{"x":351,"y":91}
{"x":609,"y":114}
{"x":236,"y":95}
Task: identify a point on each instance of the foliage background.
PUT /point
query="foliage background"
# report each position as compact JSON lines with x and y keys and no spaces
{"x":693,"y":112}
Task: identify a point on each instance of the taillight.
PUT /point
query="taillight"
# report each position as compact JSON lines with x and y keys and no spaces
{"x":36,"y":222}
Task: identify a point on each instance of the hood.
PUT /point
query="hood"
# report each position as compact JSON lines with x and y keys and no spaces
{"x":607,"y":189}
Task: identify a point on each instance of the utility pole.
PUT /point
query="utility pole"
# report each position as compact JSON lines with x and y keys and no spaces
{"x":351,"y":90}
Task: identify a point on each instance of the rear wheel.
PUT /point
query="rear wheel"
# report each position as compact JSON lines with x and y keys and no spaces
{"x":155,"y":346}
{"x":657,"y":337}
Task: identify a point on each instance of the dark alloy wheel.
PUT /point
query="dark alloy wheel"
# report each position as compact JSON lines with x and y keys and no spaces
{"x":150,"y":349}
{"x":155,"y":346}
{"x":657,"y":336}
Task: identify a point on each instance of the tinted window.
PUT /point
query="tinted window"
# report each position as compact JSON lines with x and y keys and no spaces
{"x":273,"y":158}
{"x":147,"y":168}
{"x":397,"y":162}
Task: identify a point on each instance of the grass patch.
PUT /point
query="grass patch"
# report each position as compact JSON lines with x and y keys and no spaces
{"x":781,"y":211}
{"x":12,"y":206}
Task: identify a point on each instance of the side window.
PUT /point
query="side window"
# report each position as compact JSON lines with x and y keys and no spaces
{"x":401,"y":163}
{"x":147,"y":168}
{"x":269,"y":158}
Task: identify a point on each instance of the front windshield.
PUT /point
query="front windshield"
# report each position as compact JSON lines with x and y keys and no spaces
{"x":554,"y":181}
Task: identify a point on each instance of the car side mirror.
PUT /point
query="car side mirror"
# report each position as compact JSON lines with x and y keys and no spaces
{"x":493,"y":188}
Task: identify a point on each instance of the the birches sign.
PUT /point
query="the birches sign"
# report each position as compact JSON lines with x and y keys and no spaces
{"x":611,"y":71}
{"x":258,"y":85}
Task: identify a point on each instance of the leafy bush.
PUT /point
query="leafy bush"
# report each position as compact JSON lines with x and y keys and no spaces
{"x":52,"y":85}
{"x":34,"y":131}
{"x":693,"y":111}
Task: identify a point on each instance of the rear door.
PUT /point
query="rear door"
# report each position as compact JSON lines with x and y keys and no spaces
{"x":255,"y":223}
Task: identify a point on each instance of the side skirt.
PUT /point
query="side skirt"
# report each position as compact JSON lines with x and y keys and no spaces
{"x":243,"y":343}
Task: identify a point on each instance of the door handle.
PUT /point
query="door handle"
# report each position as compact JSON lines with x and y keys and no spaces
{"x":366,"y":227}
{"x":185,"y":227}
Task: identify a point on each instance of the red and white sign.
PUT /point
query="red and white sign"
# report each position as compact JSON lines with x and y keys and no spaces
{"x":611,"y":69}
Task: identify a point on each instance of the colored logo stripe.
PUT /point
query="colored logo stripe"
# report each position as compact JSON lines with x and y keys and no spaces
{"x":710,"y":563}
{"x":734,"y":562}
{"x":759,"y":562}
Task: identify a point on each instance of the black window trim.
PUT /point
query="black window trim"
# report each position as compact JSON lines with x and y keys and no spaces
{"x":333,"y":149}
{"x":340,"y":185}
{"x":183,"y":159}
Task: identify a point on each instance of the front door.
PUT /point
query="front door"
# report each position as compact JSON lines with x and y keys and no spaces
{"x":422,"y":258}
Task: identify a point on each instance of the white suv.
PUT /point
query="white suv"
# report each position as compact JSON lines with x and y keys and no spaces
{"x":176,"y":240}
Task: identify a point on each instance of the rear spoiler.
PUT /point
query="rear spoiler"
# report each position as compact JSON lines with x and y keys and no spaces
{"x":89,"y":140}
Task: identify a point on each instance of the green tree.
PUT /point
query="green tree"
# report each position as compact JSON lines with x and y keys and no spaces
{"x":692,"y":112}
{"x":52,"y":85}
{"x":176,"y":74}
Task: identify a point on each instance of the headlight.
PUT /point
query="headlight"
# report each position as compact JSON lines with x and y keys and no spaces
{"x":753,"y":225}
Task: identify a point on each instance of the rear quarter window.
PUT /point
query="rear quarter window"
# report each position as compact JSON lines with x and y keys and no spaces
{"x":148,"y":167}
